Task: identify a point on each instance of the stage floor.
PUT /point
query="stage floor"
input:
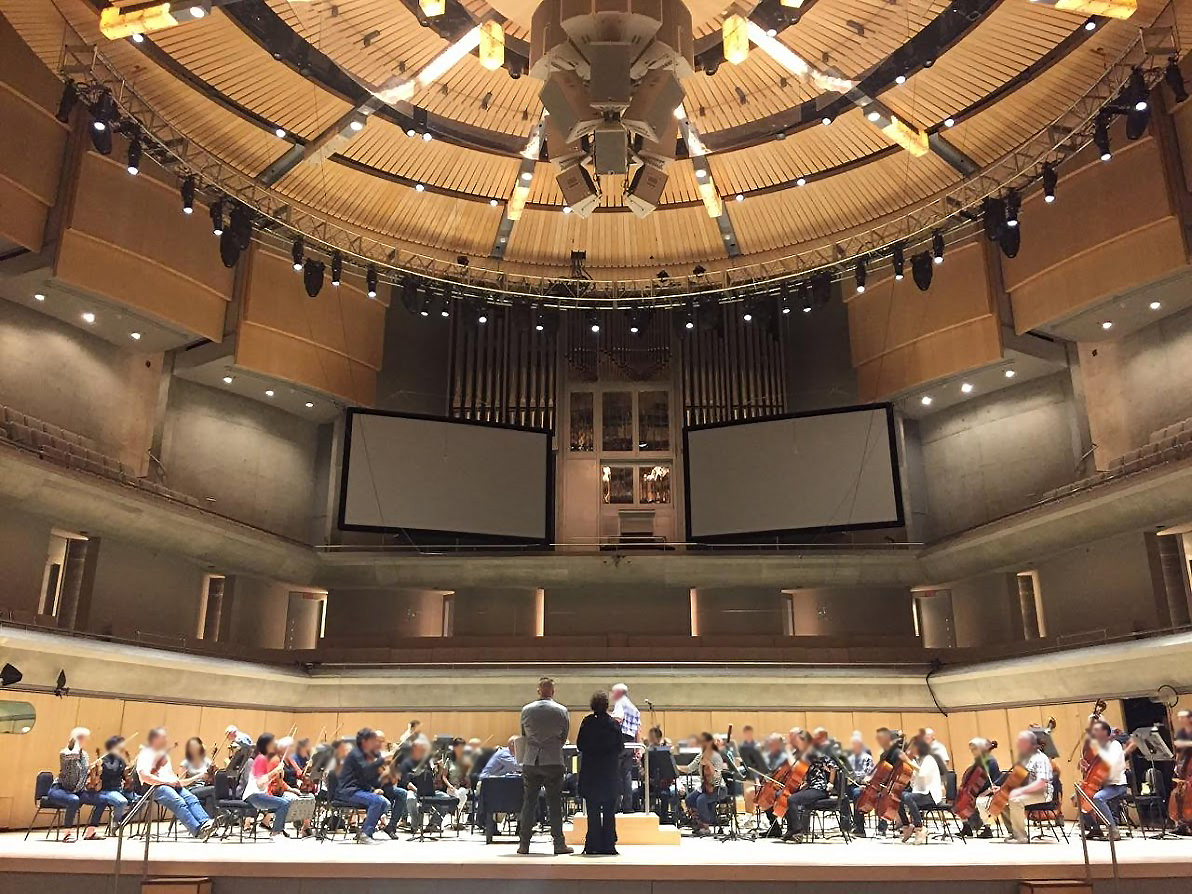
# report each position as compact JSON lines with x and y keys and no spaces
{"x":700,"y":859}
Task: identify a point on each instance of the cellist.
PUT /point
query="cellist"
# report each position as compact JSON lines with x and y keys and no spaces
{"x":976,"y":823}
{"x":1109,"y":751}
{"x":1036,"y":789}
{"x":861,"y":767}
{"x":1182,"y":744}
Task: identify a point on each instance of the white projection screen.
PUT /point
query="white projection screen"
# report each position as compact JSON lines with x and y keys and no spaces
{"x":410,"y":473}
{"x":833,"y":470}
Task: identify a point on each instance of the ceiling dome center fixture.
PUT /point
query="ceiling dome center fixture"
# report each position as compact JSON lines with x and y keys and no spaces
{"x":611,"y":70}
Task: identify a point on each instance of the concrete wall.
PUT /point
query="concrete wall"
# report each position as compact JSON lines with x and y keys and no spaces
{"x":741,"y":610}
{"x":138,"y":590}
{"x":1137,"y":384}
{"x":62,"y":375}
{"x":839,"y":611}
{"x":24,"y":546}
{"x":257,"y":462}
{"x":495,"y":611}
{"x":984,"y":610}
{"x":377,"y":617}
{"x":997,"y":454}
{"x":259,"y":612}
{"x":580,"y":611}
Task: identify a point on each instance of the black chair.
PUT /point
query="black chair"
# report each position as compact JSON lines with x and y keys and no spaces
{"x":230,"y":810}
{"x":338,"y":818}
{"x":1047,"y":816}
{"x":499,"y":794}
{"x":41,"y":788}
{"x":942,"y":814}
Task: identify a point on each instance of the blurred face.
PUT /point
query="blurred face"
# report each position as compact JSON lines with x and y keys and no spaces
{"x":546,"y":690}
{"x":1100,"y":733}
{"x":372,"y":743}
{"x":157,"y":741}
{"x":418,"y":751}
{"x":820,"y":738}
{"x":858,"y":746}
{"x":1025,"y":745}
{"x":616,"y":694}
{"x":884,"y":740}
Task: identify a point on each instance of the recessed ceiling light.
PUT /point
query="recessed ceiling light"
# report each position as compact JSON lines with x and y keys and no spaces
{"x":901,"y":79}
{"x":309,"y":405}
{"x":566,"y":209}
{"x":1155,"y":305}
{"x":138,"y":37}
{"x":1009,"y":374}
{"x":269,"y":393}
{"x":280,"y":133}
{"x":949,"y":121}
{"x":1108,"y":324}
{"x":527,"y":176}
{"x":135,"y":336}
{"x":739,"y":197}
{"x":197,"y":12}
{"x":88,"y":317}
{"x":493,"y":202}
{"x":427,"y":136}
{"x":227,"y":380}
{"x":806,"y":308}
{"x":1090,"y":25}
{"x":826,"y":120}
{"x":966,"y":388}
{"x":356,"y":124}
{"x":771,"y":32}
{"x":39,"y":297}
{"x":800,"y":181}
{"x":925,"y":400}
{"x":419,"y":187}
{"x":410,"y":131}
{"x":701,"y":173}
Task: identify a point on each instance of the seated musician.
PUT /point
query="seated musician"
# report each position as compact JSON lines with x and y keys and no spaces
{"x":358,"y":784}
{"x":655,"y":738}
{"x":775,"y":754}
{"x":977,"y":823}
{"x":502,"y":762}
{"x":710,"y":766}
{"x":69,"y":790}
{"x":454,"y":779}
{"x":1110,"y":750}
{"x":1182,"y":745}
{"x":266,"y":782}
{"x":747,"y":737}
{"x":793,"y":738}
{"x":419,"y":778}
{"x":816,"y":785}
{"x":890,"y":743}
{"x":155,"y":769}
{"x":663,"y":783}
{"x":241,"y":749}
{"x":926,"y":789}
{"x":861,"y":767}
{"x":196,"y":771}
{"x":1036,"y":790}
{"x":937,"y":748}
{"x":115,"y":777}
{"x":340,"y":750}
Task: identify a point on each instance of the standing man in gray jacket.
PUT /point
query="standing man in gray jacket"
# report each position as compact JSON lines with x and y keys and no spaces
{"x":544,"y":724}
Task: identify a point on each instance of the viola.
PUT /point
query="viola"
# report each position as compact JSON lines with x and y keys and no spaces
{"x":1179,"y":804}
{"x":976,"y":780}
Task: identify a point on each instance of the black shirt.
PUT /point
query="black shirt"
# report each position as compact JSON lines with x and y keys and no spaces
{"x":111,"y":774}
{"x":358,"y":774}
{"x":600,"y":745}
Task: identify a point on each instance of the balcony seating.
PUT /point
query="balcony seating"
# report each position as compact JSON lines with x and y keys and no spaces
{"x":1168,"y":444}
{"x":66,"y":448}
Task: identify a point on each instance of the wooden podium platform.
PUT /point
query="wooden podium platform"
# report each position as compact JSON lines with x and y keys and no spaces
{"x":632,"y":828}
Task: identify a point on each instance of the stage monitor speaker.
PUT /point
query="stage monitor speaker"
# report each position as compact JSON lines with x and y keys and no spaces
{"x":565,"y":97}
{"x":610,"y":87}
{"x":578,"y":190}
{"x":610,"y":149}
{"x":645,"y":190}
{"x":652,"y":110}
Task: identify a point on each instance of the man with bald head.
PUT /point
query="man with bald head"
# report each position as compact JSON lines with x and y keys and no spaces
{"x":544,"y":726}
{"x":1036,"y":790}
{"x":625,"y":712}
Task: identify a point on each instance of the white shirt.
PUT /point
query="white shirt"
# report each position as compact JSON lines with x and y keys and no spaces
{"x":1115,"y":758}
{"x":147,"y":758}
{"x":940,"y":751}
{"x":1038,"y":766}
{"x":927,"y":781}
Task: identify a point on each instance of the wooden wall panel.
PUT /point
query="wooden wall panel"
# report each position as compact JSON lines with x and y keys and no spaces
{"x":1111,"y":228}
{"x":901,"y":337}
{"x":285,"y":357}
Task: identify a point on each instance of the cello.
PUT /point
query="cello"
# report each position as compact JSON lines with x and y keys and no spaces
{"x":1179,"y":804}
{"x":976,"y":780}
{"x":1093,"y":770}
{"x":891,"y":799}
{"x":1014,"y":779}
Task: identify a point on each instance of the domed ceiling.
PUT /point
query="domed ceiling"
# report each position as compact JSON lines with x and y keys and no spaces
{"x":431,"y":172}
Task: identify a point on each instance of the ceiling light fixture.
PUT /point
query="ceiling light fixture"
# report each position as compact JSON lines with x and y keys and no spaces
{"x":187,"y":190}
{"x":800,"y":180}
{"x":217,"y":217}
{"x":134,"y":156}
{"x":1107,"y":325}
{"x":337,"y":268}
{"x":298,"y":253}
{"x":39,"y":297}
{"x":1101,"y":137}
{"x":937,"y":247}
{"x":279,"y":132}
{"x":1155,"y":305}
{"x":898,"y":258}
{"x":88,"y":317}
{"x":227,"y":380}
{"x":309,"y":405}
{"x":269,"y":392}
{"x":135,"y":336}
{"x":1013,"y":204}
{"x":370,"y":279}
{"x":859,"y":275}
{"x":1050,"y":179}
{"x":949,"y":121}
{"x":925,"y":400}
{"x":966,"y":388}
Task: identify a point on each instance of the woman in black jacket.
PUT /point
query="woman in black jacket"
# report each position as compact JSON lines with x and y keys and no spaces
{"x":600,"y":743}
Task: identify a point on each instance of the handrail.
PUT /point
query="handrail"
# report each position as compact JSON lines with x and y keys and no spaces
{"x":144,"y":803}
{"x":1088,"y":867}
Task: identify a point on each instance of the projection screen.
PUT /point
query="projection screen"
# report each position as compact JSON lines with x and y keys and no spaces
{"x":833,"y":470}
{"x":432,"y":475}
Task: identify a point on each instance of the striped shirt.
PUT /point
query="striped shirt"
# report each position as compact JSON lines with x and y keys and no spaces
{"x":631,"y":717}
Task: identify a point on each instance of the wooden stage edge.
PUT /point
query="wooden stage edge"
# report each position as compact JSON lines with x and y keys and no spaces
{"x":695,"y":859}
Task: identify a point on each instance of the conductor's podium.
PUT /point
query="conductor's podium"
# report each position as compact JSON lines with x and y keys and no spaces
{"x":632,"y":828}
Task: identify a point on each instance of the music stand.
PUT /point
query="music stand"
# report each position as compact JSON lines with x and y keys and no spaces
{"x":1046,"y":743}
{"x":1153,"y":748}
{"x":751,"y":757}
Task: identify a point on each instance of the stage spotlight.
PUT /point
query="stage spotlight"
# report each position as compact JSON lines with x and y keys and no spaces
{"x":937,"y":247}
{"x":298,"y":252}
{"x":821,"y":289}
{"x":899,"y":259}
{"x":481,"y":312}
{"x":594,"y":322}
{"x":229,"y":250}
{"x":1013,"y":205}
{"x":993,"y":217}
{"x":445,"y":301}
{"x":859,"y":275}
{"x":1174,"y":78}
{"x":1136,"y":123}
{"x":134,"y":156}
{"x":689,"y":316}
{"x":103,"y":111}
{"x":312,"y":276}
{"x":1050,"y":179}
{"x":805,"y":298}
{"x":922,"y":270}
{"x":538,"y":324}
{"x":60,"y":687}
{"x":70,"y":99}
{"x":1137,"y":91}
{"x":1101,"y":137}
{"x":187,"y":191}
{"x":217,"y":226}
{"x":747,"y":314}
{"x":370,"y":279}
{"x":10,"y":676}
{"x":337,"y":268}
{"x":1010,"y":241}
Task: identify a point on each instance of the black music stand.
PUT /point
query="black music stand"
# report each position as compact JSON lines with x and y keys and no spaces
{"x":751,"y":757}
{"x":1153,"y":749}
{"x":664,"y":770}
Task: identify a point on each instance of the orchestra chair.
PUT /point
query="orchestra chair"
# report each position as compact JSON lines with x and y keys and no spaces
{"x":1148,"y":806}
{"x":942,"y":815}
{"x":726,"y":826}
{"x":41,"y":788}
{"x":499,"y":794}
{"x":231,"y":810}
{"x":343,"y":814}
{"x":1048,"y":817}
{"x":823,"y":809}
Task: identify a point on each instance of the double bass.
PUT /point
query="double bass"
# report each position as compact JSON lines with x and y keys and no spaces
{"x":1179,"y":804}
{"x":1014,"y":779}
{"x":976,"y":780}
{"x":1093,"y":770}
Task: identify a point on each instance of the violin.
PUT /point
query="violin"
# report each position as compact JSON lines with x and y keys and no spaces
{"x":1093,"y":770}
{"x":1016,"y":778}
{"x":209,"y":776}
{"x":95,"y":775}
{"x":976,"y":780}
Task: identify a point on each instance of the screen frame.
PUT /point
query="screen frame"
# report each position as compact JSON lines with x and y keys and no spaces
{"x":468,"y":537}
{"x":738,"y":536}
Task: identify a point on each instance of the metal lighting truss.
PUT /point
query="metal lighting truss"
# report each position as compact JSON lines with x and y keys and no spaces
{"x":954,"y":212}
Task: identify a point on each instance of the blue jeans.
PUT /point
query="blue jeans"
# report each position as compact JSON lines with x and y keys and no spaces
{"x":702,"y":805}
{"x":376,"y":805}
{"x":184,"y":806}
{"x":1101,"y":802}
{"x":266,"y":803}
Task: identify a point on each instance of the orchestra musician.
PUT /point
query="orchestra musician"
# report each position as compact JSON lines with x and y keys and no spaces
{"x":655,"y":738}
{"x":775,"y":754}
{"x":419,"y":777}
{"x":266,"y":784}
{"x":502,"y":762}
{"x":115,"y":778}
{"x":358,"y":784}
{"x":926,"y":789}
{"x":937,"y":748}
{"x":663,"y":784}
{"x":155,"y":769}
{"x":861,"y":767}
{"x":977,"y":823}
{"x":890,"y":743}
{"x":816,"y":785}
{"x":701,"y":799}
{"x":1110,"y":751}
{"x":1037,"y":789}
{"x":69,"y":790}
{"x":1182,"y":745}
{"x":196,"y":770}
